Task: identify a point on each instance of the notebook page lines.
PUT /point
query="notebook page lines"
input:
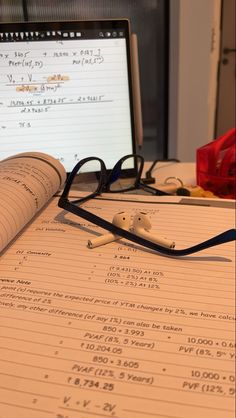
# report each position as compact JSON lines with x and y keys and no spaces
{"x":165,"y":343}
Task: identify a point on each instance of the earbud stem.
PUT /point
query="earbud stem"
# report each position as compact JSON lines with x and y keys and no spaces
{"x":155,"y":238}
{"x":102,"y":240}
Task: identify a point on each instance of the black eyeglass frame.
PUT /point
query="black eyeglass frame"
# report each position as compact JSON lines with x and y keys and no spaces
{"x":103,"y":186}
{"x":105,"y":179}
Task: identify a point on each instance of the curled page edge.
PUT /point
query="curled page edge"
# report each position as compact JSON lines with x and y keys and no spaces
{"x":61,"y":175}
{"x":53,"y":162}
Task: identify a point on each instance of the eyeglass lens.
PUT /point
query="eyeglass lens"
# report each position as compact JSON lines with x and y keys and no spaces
{"x":124,"y":174}
{"x":122,"y":178}
{"x":87,"y":179}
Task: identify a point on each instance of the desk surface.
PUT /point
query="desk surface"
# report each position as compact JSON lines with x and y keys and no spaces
{"x":184,"y":171}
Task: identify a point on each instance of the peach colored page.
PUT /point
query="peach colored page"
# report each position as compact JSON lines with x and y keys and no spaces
{"x":117,"y":331}
{"x":27,"y":182}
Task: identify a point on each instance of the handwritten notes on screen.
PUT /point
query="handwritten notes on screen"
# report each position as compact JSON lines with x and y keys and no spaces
{"x":69,"y":99}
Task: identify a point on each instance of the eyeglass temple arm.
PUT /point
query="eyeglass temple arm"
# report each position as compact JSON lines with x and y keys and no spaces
{"x":148,"y":174}
{"x":224,"y":237}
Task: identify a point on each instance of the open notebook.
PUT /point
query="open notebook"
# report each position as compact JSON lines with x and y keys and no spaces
{"x":116,"y":331}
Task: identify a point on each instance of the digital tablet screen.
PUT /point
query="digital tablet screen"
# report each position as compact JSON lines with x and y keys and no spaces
{"x":66,"y":90}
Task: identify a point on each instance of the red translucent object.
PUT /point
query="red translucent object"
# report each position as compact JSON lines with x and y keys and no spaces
{"x":216,"y":166}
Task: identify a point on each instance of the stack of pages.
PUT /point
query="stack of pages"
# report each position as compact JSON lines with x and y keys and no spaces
{"x":115,"y":331}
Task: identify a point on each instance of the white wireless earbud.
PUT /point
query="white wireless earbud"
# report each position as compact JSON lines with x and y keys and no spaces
{"x":122,"y":220}
{"x":142,"y":226}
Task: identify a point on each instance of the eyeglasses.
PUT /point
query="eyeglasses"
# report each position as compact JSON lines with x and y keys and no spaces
{"x":91,"y":177}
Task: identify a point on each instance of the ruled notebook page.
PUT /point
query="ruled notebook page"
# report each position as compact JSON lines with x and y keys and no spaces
{"x":118,"y":331}
{"x":27,"y":182}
